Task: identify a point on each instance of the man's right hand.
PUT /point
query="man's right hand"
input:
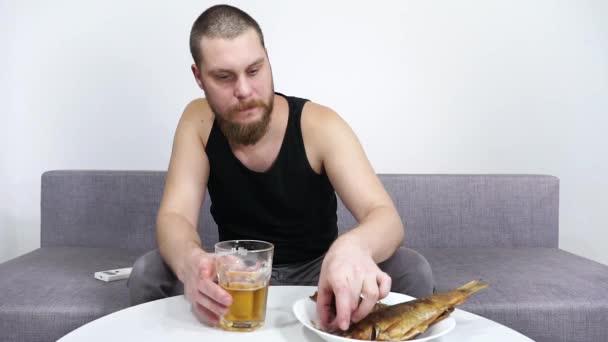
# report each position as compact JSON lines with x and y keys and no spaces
{"x":209,"y":301}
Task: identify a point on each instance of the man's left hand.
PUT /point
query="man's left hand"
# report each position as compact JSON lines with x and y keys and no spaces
{"x":349,"y":273}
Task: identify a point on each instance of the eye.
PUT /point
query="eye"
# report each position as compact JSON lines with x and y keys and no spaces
{"x":253,"y":72}
{"x":223,"y":77}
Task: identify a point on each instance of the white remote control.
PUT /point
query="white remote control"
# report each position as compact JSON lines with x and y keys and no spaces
{"x":112,"y":275}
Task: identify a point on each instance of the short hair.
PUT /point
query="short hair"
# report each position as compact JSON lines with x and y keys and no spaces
{"x":220,"y":21}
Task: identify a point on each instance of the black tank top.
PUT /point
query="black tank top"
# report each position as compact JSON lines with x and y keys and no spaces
{"x":289,"y":205}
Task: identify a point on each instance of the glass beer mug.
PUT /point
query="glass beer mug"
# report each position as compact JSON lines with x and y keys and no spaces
{"x":243,"y":270}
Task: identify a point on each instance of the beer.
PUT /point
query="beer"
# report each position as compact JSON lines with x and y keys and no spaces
{"x":248,"y":309}
{"x":243,"y":270}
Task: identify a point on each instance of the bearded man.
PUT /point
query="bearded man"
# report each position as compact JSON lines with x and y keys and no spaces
{"x":273,"y":165}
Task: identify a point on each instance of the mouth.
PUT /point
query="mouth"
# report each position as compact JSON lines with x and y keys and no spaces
{"x":247,"y":109}
{"x":244,"y":115}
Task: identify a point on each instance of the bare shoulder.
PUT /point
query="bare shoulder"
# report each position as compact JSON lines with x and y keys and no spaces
{"x":323,"y":132}
{"x":320,"y":123}
{"x":319,"y":120}
{"x":197,"y":111}
{"x":198,"y":116}
{"x":317,"y":116}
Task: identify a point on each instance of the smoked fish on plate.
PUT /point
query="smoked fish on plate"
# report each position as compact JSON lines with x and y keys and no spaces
{"x":405,"y":321}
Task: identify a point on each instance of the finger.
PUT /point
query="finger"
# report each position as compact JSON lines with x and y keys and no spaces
{"x":344,"y":306}
{"x":384,"y":284}
{"x":324,"y":300}
{"x":207,"y":268}
{"x":205,"y":316}
{"x":211,"y":305}
{"x":369,"y":292}
{"x":215,"y":292}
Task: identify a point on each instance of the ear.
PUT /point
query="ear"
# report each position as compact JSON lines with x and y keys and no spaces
{"x":197,"y":76}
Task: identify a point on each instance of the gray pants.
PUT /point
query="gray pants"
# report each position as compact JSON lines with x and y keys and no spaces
{"x":152,"y":279}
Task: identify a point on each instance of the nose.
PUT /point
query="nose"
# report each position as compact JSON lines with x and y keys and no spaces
{"x":242,"y":88}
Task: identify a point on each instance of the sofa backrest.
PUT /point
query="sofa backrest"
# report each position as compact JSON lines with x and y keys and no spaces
{"x":118,"y":209}
{"x":474,"y":210}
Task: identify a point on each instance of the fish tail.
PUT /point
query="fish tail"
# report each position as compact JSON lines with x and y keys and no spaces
{"x":473,"y":286}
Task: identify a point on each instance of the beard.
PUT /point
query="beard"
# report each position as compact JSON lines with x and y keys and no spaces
{"x":245,"y":134}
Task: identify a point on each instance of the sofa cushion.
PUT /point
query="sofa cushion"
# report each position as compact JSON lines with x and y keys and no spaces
{"x":545,"y":293}
{"x":51,"y":291}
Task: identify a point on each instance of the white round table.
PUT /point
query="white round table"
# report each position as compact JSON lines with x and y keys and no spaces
{"x":170,"y":319}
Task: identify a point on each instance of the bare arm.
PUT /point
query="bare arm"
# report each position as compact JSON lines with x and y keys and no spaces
{"x":379,"y":229}
{"x":183,"y":195}
{"x":350,"y":266}
{"x":177,"y":236}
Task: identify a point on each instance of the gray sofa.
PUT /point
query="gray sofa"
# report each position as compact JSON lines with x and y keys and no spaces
{"x":501,"y":228}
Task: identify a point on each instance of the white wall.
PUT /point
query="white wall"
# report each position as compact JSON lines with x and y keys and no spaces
{"x":429,"y":86}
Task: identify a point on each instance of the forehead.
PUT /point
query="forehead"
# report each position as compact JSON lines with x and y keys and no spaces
{"x":236,"y":53}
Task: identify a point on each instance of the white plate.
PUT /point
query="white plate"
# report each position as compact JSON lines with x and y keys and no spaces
{"x":305,"y":311}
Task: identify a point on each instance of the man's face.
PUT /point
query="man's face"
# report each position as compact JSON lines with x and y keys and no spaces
{"x":236,"y":77}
